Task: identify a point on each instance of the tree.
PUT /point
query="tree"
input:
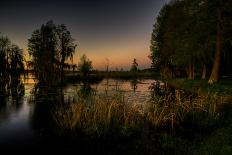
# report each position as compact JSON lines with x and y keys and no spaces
{"x":16,"y":60}
{"x":85,"y":65}
{"x":11,"y":59}
{"x":42,"y":48}
{"x":107,"y":64}
{"x":187,"y":36}
{"x":66,"y":46}
{"x":50,"y":46}
{"x":134,"y":67}
{"x":4,"y":55}
{"x":221,"y":9}
{"x":74,"y":67}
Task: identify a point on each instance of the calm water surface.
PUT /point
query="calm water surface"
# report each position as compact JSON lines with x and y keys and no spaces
{"x":22,"y":121}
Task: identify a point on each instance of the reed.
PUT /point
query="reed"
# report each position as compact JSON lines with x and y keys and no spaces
{"x":176,"y":109}
{"x":99,"y":117}
{"x":106,"y":114}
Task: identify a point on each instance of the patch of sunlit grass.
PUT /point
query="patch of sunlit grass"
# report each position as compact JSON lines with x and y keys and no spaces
{"x":174,"y":110}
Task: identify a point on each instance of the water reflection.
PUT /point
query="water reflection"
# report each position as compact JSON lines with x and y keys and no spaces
{"x":17,"y":88}
{"x":14,"y":127}
{"x":29,"y":107}
{"x":45,"y":99}
{"x":11,"y":93}
{"x":86,"y":90}
{"x":134,"y":83}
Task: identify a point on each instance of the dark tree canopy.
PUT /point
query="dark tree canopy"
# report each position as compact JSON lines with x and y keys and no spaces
{"x":192,"y":36}
{"x":49,"y":47}
{"x":85,"y":65}
{"x":134,"y":67}
{"x":11,"y":59}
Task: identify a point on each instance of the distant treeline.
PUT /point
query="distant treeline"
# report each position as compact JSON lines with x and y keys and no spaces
{"x":193,"y":38}
{"x":49,"y":48}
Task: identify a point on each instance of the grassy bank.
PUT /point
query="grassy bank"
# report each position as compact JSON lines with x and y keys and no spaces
{"x":223,"y":87}
{"x":173,"y":123}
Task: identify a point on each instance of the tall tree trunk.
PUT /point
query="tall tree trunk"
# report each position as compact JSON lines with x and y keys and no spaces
{"x":62,"y":74}
{"x":203,"y":72}
{"x":193,"y":72}
{"x":62,"y":71}
{"x":190,"y":71}
{"x":62,"y":61}
{"x":215,"y":70}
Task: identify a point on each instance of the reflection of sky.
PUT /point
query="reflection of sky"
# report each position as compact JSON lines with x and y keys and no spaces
{"x":15,"y":124}
{"x":110,"y":86}
{"x":15,"y":120}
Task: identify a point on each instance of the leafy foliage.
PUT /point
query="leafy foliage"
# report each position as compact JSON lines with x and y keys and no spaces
{"x":185,"y":36}
{"x":85,"y":65}
{"x":11,"y":59}
{"x":49,"y":47}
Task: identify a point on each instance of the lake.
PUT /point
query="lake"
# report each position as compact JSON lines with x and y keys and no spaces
{"x":24,"y":118}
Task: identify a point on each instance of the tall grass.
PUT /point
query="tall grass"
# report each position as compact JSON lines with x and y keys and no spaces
{"x":101,"y":116}
{"x":175,"y":110}
{"x":108,"y":114}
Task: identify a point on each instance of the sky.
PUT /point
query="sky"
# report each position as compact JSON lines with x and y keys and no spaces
{"x":117,"y":30}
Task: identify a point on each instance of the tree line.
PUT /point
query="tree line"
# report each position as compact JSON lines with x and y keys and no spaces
{"x":11,"y":59}
{"x":49,"y":47}
{"x":193,"y":37}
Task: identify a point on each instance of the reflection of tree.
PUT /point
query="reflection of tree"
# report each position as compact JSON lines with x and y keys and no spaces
{"x":17,"y":88}
{"x":11,"y":96}
{"x":3,"y":95}
{"x":46,"y":100}
{"x":86,"y":90}
{"x":13,"y":88}
{"x":134,"y":83}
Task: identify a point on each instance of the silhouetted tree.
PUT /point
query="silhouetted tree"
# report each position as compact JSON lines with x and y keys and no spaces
{"x":11,"y":59}
{"x":11,"y":67}
{"x":107,"y":65}
{"x":221,"y":10}
{"x":4,"y":55}
{"x":85,"y":65}
{"x":134,"y":67}
{"x":49,"y":47}
{"x":16,"y":61}
{"x":42,"y":48}
{"x":74,"y":67}
{"x":66,"y":46}
{"x":186,"y":33}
